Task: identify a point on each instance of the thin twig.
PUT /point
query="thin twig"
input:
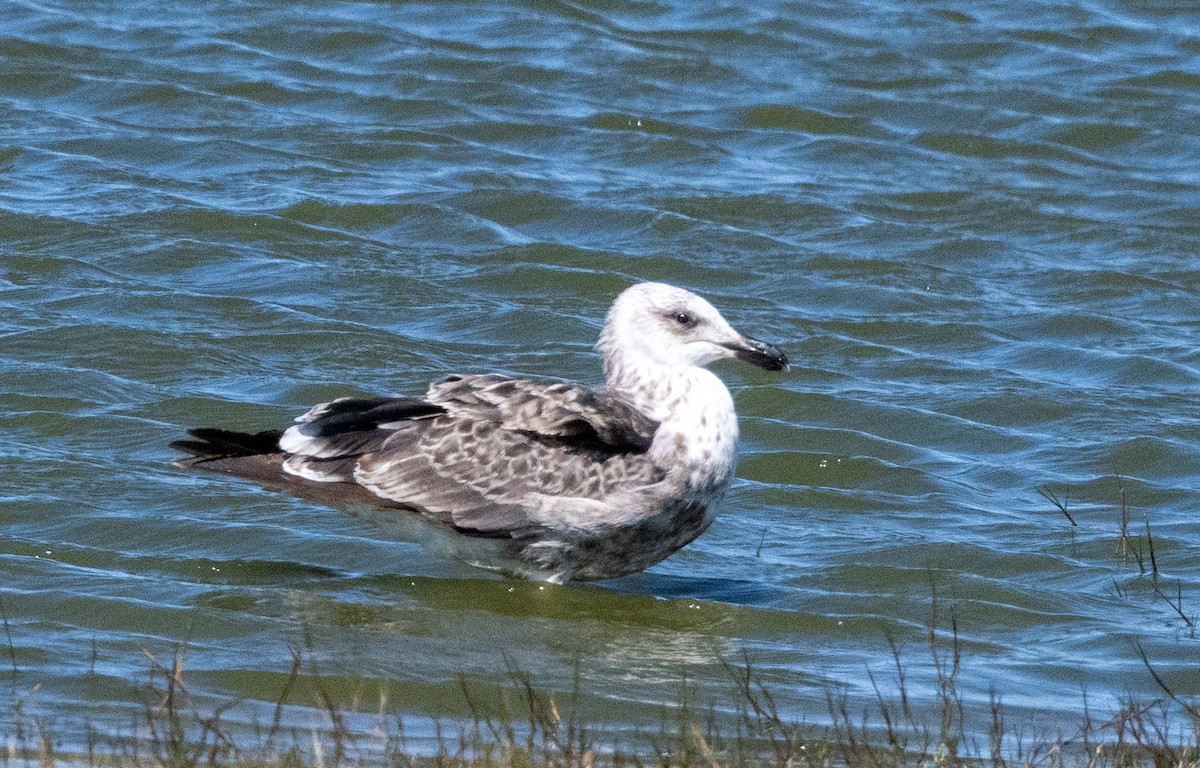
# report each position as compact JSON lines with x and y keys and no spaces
{"x":1049,"y":496}
{"x":1123,"y":543}
{"x":12,"y":651}
{"x":1177,"y":603}
{"x":1191,"y":710}
{"x":1150,"y":544}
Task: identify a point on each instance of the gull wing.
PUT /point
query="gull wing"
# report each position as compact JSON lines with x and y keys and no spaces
{"x":575,"y":414}
{"x":488,"y":455}
{"x":353,"y":426}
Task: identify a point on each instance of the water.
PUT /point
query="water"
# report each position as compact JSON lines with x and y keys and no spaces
{"x":973,"y":227}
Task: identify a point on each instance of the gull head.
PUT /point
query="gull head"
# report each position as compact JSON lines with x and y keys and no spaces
{"x":661,"y":325}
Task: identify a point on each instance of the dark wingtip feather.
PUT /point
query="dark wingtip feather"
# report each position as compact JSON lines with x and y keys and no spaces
{"x":191,"y":447}
{"x":223,"y":443}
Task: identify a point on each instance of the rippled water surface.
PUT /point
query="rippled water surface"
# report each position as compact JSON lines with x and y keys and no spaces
{"x":973,"y":227}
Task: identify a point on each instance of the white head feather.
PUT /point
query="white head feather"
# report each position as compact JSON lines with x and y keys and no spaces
{"x":652,"y":325}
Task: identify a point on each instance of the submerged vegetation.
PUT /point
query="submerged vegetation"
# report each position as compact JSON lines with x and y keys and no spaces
{"x":525,"y":726}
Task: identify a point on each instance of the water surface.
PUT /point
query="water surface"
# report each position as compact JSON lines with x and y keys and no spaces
{"x":973,"y":227}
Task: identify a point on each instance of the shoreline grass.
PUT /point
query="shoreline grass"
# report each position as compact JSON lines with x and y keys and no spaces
{"x":524,"y":726}
{"x":527,"y":727}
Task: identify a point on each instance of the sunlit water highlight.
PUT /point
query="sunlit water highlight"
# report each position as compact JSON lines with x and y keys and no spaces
{"x":973,"y":229}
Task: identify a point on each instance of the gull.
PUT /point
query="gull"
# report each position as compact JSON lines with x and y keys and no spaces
{"x":542,"y":479}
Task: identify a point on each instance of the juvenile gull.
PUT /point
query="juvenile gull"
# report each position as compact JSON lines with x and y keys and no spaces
{"x":549,"y":480}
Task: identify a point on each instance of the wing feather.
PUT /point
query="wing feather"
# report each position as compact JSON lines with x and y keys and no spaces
{"x":592,"y":418}
{"x":483,"y":478}
{"x":347,"y":427}
{"x":485,"y":454}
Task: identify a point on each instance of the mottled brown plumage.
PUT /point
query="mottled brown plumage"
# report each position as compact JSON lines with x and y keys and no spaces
{"x":547,"y":479}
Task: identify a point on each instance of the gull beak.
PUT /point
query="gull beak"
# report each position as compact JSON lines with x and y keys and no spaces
{"x":766,"y":356}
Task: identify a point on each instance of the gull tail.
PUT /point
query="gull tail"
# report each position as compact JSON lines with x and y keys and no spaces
{"x":258,"y":458}
{"x":254,"y":456}
{"x":215,"y":444}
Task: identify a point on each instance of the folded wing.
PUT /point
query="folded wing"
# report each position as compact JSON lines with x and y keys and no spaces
{"x":488,"y":455}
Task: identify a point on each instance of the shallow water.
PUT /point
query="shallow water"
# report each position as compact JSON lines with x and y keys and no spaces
{"x":972,"y":227}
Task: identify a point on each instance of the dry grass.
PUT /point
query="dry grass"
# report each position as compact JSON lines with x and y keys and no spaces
{"x":526,"y":727}
{"x":529,"y":728}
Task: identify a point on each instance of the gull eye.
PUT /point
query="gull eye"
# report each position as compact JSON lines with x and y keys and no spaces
{"x":684,"y":319}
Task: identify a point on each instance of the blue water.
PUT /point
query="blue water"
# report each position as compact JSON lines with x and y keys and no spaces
{"x":973,"y":228}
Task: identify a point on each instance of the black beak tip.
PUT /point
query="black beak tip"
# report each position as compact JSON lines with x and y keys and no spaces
{"x":778,"y":363}
{"x":765,"y":356}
